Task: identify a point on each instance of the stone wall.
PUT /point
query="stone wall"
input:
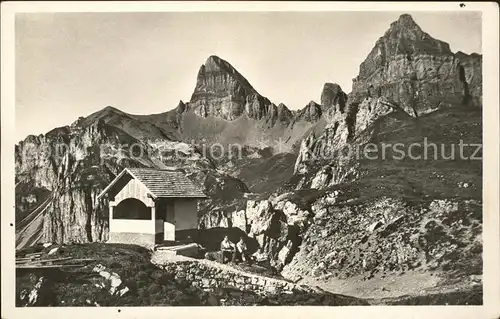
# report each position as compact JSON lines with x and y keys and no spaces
{"x":236,"y":287}
{"x":211,"y":275}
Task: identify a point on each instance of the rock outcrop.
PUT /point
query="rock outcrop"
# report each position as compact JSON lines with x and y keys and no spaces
{"x":222,"y":92}
{"x":63,"y":162}
{"x":406,"y":72}
{"x":333,"y":98}
{"x":311,"y":112}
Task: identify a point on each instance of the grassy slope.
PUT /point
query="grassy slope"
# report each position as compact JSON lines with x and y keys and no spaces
{"x":137,"y":126}
{"x":265,"y":175}
{"x":148,"y":285}
{"x":425,"y":178}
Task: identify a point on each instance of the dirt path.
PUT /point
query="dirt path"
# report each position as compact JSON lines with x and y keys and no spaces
{"x":380,"y":290}
{"x":377,"y":287}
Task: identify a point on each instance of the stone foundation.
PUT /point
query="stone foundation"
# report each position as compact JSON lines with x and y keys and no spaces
{"x":141,"y":239}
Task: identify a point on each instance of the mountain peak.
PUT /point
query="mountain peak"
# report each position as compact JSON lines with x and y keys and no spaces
{"x":406,"y":20}
{"x":404,"y":37}
{"x":312,"y":104}
{"x":213,"y":59}
{"x":215,"y":64}
{"x":222,"y":91}
{"x":407,"y":54}
{"x":332,"y":95}
{"x":110,"y":108}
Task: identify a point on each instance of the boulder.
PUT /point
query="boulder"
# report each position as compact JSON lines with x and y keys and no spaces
{"x":285,"y":252}
{"x":259,"y":216}
{"x":374,"y":226}
{"x":322,"y":178}
{"x":295,"y":215}
{"x":239,"y":220}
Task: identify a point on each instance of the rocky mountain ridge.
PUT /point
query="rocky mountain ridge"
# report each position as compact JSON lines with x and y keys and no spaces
{"x":392,"y":212}
{"x":225,"y":108}
{"x":407,"y":72}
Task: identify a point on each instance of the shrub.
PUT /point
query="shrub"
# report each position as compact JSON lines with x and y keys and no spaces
{"x":154,"y":289}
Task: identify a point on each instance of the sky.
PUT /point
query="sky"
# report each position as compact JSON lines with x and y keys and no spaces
{"x":73,"y":64}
